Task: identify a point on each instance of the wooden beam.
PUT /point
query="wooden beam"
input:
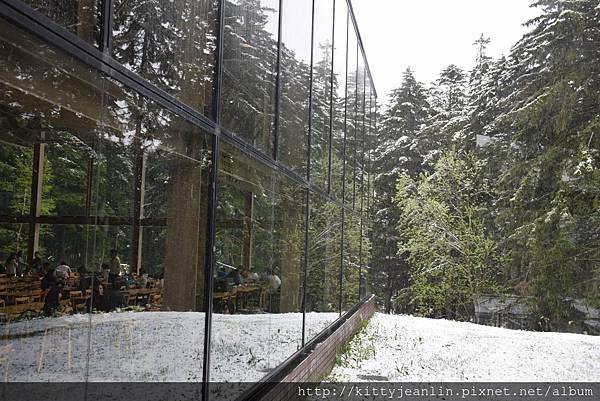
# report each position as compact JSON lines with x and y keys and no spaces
{"x":35,"y":207}
{"x":138,"y":210}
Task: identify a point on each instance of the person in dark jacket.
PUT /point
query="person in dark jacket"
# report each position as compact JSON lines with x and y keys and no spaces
{"x":52,"y":287}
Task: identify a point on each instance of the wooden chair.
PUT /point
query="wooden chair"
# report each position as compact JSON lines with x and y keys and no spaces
{"x":88,"y":292}
{"x":36,"y":296}
{"x":64,"y":307}
{"x":264,"y":296}
{"x":132,"y":297}
{"x":2,"y":303}
{"x":155,"y":303}
{"x":22,"y":300}
{"x":80,"y":305}
{"x":75,"y":294}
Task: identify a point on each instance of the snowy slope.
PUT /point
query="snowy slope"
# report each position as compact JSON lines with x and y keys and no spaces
{"x":406,"y":348}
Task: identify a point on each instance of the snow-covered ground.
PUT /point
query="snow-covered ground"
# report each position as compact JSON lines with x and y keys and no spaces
{"x":150,"y":346}
{"x":406,"y":348}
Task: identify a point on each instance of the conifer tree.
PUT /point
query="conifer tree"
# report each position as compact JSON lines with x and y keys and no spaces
{"x":395,"y":154}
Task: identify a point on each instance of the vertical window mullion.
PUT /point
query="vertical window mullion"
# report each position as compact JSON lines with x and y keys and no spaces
{"x":106,"y":26}
{"x":213,"y":199}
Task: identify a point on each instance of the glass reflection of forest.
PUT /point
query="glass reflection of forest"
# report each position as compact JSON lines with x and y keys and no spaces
{"x":103,"y":193}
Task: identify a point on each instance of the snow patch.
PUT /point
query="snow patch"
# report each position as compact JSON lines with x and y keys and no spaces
{"x":407,"y":348}
{"x":151,"y":346}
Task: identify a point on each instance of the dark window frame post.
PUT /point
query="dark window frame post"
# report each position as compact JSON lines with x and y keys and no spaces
{"x":213,"y":187}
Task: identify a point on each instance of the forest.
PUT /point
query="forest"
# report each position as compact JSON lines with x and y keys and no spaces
{"x":488,"y":181}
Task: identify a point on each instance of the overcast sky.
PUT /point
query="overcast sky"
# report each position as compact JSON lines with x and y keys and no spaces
{"x":428,"y":35}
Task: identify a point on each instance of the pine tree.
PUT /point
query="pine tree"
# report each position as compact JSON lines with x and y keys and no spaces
{"x":448,"y":99}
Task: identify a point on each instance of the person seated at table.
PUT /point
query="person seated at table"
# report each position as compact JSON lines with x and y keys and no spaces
{"x":63,"y":271}
{"x":128,"y":281}
{"x":11,"y":264}
{"x":240,"y":276}
{"x":104,"y":271}
{"x":53,"y":287}
{"x":142,"y":278}
{"x":272,"y":282}
{"x":98,"y":299}
{"x":29,"y":272}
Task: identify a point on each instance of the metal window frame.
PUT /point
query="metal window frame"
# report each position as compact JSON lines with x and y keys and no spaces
{"x":344,"y":206}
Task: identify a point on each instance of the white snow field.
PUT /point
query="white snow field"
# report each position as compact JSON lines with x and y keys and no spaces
{"x":151,"y":346}
{"x":406,"y":348}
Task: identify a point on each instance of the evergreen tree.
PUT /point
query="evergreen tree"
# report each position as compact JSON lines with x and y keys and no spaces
{"x":448,"y":98}
{"x":395,"y":154}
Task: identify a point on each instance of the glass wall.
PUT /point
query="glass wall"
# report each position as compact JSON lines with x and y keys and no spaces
{"x":340,"y":52}
{"x":81,"y":17}
{"x":161,"y":291}
{"x":107,"y":174}
{"x":295,"y":82}
{"x":257,"y":294}
{"x":169,"y":43}
{"x":359,"y":129}
{"x":323,"y":271}
{"x":250,"y":57}
{"x":351,"y":102}
{"x":96,"y":175}
{"x":321,"y":92}
{"x":351,"y":261}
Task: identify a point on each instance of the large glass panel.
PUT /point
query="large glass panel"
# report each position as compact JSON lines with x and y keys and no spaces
{"x":370,"y":143}
{"x":64,"y":243}
{"x":339,"y":87}
{"x":323,"y":279}
{"x":81,"y":17}
{"x":367,"y":146}
{"x":295,"y":84}
{"x":249,"y":70}
{"x":351,"y":118}
{"x":169,"y":43}
{"x":351,"y":261}
{"x":68,"y":165}
{"x":13,"y":238}
{"x":359,"y":134}
{"x":16,"y":157}
{"x":152,"y":271}
{"x":41,"y":341}
{"x":257,"y":322}
{"x":321,"y":91}
{"x":125,"y":241}
{"x":365,"y":257}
